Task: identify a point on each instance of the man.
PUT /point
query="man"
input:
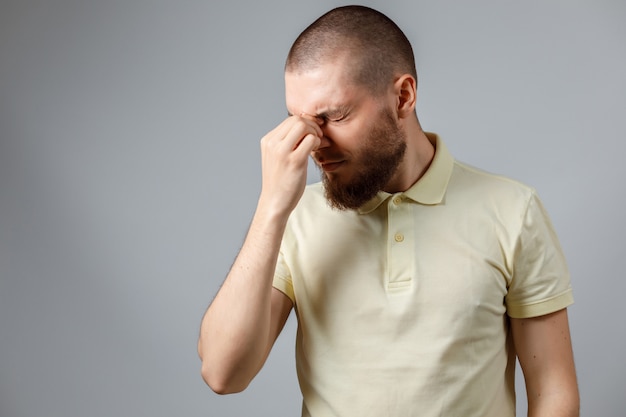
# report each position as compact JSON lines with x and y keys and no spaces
{"x":416,"y":279}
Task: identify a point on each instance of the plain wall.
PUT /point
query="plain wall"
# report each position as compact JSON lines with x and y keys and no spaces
{"x":129,"y":171}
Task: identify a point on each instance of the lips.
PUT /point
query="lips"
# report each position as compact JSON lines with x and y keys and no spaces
{"x":330,"y":166}
{"x":328,"y":162}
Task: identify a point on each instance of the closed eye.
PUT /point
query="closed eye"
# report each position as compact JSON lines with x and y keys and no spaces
{"x":336,"y":119}
{"x":335,"y":116}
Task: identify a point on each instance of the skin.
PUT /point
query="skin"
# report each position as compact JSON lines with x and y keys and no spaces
{"x":544,"y":350}
{"x":379,"y":156}
{"x":326,"y":92}
{"x":329,"y":116}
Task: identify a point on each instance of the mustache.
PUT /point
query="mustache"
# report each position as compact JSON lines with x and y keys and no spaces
{"x":323,"y":157}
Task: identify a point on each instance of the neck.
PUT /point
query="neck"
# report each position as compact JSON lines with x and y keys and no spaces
{"x":417,"y":158}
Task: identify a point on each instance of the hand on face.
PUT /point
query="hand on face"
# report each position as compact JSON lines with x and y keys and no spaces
{"x":284,"y":156}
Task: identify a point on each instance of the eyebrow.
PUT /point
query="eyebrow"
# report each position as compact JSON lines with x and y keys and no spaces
{"x":338,"y":111}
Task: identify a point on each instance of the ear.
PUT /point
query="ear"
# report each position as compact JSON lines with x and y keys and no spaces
{"x":406,"y":95}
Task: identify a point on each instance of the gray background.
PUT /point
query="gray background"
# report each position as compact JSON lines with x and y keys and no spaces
{"x":129,"y":170}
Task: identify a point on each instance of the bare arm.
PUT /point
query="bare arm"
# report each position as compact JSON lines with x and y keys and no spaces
{"x":544,"y":350}
{"x":247,"y":314}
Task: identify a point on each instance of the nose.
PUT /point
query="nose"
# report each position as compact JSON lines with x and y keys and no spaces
{"x":324,"y":141}
{"x":317,"y":153}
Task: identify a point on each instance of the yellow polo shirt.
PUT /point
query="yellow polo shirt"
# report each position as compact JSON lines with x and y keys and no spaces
{"x":402,"y":305}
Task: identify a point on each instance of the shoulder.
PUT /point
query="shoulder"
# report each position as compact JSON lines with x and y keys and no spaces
{"x":469,"y":180}
{"x":313,"y":213}
{"x":312,"y":205}
{"x":312,"y":200}
{"x":313,"y":194}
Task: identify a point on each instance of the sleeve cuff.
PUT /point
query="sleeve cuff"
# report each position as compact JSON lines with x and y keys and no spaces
{"x":285,"y":287}
{"x":541,"y":308}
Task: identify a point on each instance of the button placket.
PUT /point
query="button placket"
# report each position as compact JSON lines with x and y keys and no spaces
{"x":400,"y":244}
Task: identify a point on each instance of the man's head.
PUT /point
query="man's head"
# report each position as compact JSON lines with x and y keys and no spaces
{"x":375,"y":46}
{"x":353,"y":71}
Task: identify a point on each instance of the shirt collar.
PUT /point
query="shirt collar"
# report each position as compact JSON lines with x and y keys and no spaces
{"x":431,"y":187}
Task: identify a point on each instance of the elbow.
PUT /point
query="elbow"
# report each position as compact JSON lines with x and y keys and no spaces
{"x":574,"y":405}
{"x":224,"y":374}
{"x":222,"y":384}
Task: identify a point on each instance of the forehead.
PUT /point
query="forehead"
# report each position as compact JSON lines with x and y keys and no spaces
{"x":320,"y":89}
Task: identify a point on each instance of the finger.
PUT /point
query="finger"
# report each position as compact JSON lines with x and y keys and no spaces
{"x":307,"y":144}
{"x":314,"y":122}
{"x":290,"y":126}
{"x":317,"y":120}
{"x":281,"y":130}
{"x":299,"y":130}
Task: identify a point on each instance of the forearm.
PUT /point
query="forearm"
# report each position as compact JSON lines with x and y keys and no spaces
{"x":235,"y":333}
{"x":240,"y":326}
{"x":555,"y":396}
{"x":562,"y":404}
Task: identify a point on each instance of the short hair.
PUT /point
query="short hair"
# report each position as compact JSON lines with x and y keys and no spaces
{"x":379,"y":47}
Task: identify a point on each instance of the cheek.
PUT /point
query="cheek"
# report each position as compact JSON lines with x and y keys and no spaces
{"x":345,"y":136}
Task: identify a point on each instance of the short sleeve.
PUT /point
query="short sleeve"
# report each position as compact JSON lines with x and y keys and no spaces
{"x":541,"y":282}
{"x":282,"y":278}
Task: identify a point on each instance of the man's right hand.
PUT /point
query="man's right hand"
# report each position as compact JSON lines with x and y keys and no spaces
{"x":247,"y":314}
{"x":284,"y":152}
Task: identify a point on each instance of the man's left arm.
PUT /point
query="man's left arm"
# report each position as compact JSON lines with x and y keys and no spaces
{"x":544,"y":350}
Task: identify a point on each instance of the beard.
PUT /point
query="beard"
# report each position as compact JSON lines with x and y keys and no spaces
{"x":374,"y":166}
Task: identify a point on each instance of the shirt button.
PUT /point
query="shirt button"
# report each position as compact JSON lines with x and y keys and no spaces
{"x":397,"y":200}
{"x":399,"y":237}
